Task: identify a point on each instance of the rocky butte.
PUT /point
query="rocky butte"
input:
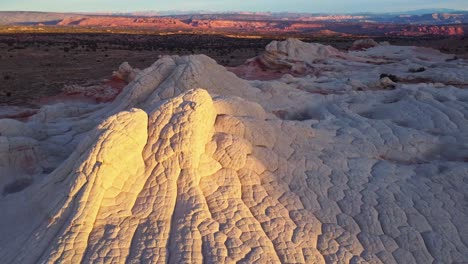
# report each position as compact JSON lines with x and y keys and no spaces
{"x":326,"y":157}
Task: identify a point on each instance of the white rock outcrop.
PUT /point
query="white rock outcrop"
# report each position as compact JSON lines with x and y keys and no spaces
{"x":291,"y":56}
{"x":191,"y":164}
{"x":363,"y":44}
{"x":296,"y":50}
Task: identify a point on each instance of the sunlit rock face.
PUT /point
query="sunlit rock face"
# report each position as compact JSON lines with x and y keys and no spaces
{"x":192,"y":164}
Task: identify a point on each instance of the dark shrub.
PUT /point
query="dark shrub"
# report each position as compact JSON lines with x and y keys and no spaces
{"x":392,"y":77}
{"x":422,"y":69}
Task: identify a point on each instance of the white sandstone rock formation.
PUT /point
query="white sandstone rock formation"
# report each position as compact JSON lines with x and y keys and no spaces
{"x":296,"y":50}
{"x":363,"y":44}
{"x":126,"y":72}
{"x":290,"y":56}
{"x":191,"y":164}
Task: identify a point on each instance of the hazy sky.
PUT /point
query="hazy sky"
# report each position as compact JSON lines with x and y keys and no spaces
{"x":330,"y":6}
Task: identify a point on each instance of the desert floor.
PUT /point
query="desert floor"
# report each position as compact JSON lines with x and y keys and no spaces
{"x":33,"y":66}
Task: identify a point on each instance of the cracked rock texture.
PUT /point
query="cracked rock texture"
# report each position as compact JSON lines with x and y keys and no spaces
{"x":192,"y":164}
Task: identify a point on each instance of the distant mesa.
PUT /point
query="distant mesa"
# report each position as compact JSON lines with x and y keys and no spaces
{"x":430,"y":24}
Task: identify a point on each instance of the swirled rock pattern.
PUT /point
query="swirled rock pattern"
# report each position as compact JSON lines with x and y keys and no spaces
{"x":191,"y":164}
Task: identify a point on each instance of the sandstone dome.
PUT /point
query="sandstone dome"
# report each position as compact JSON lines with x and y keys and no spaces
{"x":192,"y":164}
{"x":362,"y":44}
{"x":294,"y":49}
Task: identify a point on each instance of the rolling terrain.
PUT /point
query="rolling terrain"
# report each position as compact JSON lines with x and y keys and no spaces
{"x":436,"y":24}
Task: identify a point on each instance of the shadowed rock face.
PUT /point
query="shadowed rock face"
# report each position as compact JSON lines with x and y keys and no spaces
{"x":191,"y":164}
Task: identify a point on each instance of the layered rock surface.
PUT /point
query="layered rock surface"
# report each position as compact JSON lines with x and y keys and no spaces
{"x":192,"y":164}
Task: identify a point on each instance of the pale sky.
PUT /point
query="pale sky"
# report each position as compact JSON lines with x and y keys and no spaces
{"x":312,"y":6}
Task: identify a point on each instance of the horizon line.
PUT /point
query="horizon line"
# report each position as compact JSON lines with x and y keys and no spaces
{"x":208,"y":12}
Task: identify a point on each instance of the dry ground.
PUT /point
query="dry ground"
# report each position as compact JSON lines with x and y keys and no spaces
{"x":37,"y":65}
